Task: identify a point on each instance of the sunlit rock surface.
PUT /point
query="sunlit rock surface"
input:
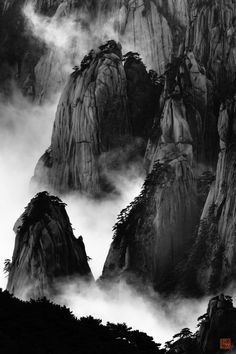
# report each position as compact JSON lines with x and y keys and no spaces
{"x":46,"y":251}
{"x":91,"y":119}
{"x":156,"y":29}
{"x":211,"y":265}
{"x":187,"y":105}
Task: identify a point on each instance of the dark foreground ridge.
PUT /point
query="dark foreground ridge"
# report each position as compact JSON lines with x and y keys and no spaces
{"x":44,"y":327}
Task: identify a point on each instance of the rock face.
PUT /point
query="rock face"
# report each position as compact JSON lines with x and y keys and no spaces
{"x":154,"y":233}
{"x":186,"y":80}
{"x":46,"y":251}
{"x":158,"y":30}
{"x":214,"y":39}
{"x":216,"y":330}
{"x":155,"y":28}
{"x":219,"y":322}
{"x":212,"y":262}
{"x":106,"y":104}
{"x":91,"y":119}
{"x":143,"y":95}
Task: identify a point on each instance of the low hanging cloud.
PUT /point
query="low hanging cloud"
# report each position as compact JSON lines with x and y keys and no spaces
{"x":159,"y":318}
{"x":25,"y":131}
{"x":68,"y":36}
{"x":72,"y":36}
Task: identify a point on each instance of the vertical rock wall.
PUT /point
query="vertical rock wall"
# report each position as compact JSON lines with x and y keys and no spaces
{"x":46,"y":251}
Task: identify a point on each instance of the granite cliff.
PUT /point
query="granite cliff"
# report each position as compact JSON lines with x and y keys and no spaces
{"x":91,"y":120}
{"x":46,"y":251}
{"x":111,"y":101}
{"x":215,"y":268}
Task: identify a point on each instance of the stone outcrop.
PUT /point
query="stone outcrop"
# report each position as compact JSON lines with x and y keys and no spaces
{"x":154,"y":233}
{"x":46,"y":251}
{"x":156,"y":29}
{"x":143,"y":95}
{"x":211,"y":264}
{"x":187,"y":95}
{"x":218,"y":323}
{"x":213,"y":39}
{"x":216,"y":332}
{"x":91,"y":119}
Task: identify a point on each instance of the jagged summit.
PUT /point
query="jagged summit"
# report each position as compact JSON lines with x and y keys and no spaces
{"x":46,"y":251}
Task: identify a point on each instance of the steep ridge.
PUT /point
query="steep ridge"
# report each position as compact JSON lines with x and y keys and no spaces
{"x":155,"y":28}
{"x":46,"y":251}
{"x":185,"y":79}
{"x":216,"y":332}
{"x":213,"y":39}
{"x":158,"y":30}
{"x":91,"y":120}
{"x":143,"y":93}
{"x":155,"y":231}
{"x":211,"y":264}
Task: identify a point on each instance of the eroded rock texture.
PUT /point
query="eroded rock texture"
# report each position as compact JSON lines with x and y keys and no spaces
{"x":212,"y":262}
{"x":91,"y":119}
{"x":187,"y":96}
{"x":46,"y":251}
{"x":154,"y":233}
{"x":154,"y":28}
{"x":216,"y":330}
{"x":214,"y":39}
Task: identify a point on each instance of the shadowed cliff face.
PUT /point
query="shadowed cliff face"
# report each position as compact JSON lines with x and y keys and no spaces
{"x":212,"y":261}
{"x":214,"y":39}
{"x":46,"y":251}
{"x":217,"y":325}
{"x":154,"y":233}
{"x":191,"y":124}
{"x":91,"y":119}
{"x":143,"y":95}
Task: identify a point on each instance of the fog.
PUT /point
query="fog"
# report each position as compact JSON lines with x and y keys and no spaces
{"x":25,"y":131}
{"x":68,"y":36}
{"x":159,"y":318}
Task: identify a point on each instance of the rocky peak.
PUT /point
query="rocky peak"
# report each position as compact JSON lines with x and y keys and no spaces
{"x":154,"y":233}
{"x":46,"y":251}
{"x":91,"y":120}
{"x":143,"y":91}
{"x":214,"y":268}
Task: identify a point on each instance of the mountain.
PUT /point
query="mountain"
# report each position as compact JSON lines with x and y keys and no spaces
{"x":157,"y":31}
{"x":164,"y":110}
{"x":212,"y":33}
{"x":216,"y":331}
{"x":215,"y":268}
{"x":91,"y":120}
{"x":46,"y":251}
